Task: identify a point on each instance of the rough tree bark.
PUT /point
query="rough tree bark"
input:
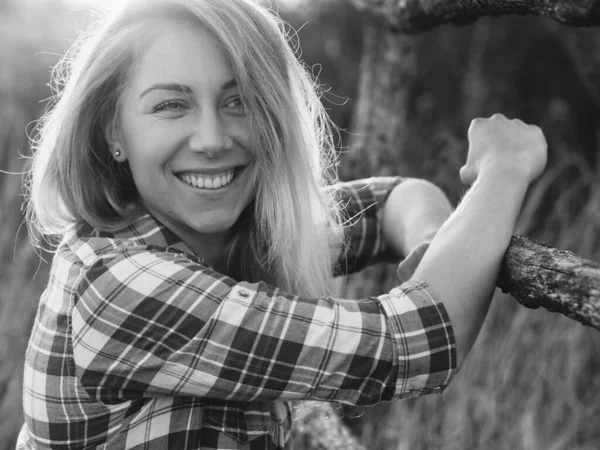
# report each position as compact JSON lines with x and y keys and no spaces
{"x":417,"y":15}
{"x":539,"y":275}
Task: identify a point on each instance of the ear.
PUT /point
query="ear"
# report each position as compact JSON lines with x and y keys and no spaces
{"x":113,"y":140}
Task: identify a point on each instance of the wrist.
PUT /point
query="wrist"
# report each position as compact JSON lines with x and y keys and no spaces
{"x":505,"y":174}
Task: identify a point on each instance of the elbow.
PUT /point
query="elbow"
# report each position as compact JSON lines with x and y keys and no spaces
{"x":418,"y":198}
{"x":420,"y":187}
{"x":460,"y":359}
{"x":465,"y":339}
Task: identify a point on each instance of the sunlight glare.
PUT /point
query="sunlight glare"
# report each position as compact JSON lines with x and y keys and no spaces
{"x":111,"y":4}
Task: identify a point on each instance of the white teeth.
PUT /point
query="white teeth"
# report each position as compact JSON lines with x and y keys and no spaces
{"x":208,"y":181}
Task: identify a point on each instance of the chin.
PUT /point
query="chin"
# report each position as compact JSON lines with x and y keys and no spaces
{"x":216,"y":226}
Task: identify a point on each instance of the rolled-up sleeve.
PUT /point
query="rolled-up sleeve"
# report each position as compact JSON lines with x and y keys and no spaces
{"x":363,"y":202}
{"x":151,"y":322}
{"x":423,"y":339}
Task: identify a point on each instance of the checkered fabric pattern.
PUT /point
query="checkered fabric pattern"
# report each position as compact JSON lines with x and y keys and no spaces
{"x":138,"y":344}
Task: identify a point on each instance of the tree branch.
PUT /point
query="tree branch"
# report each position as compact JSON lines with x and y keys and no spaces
{"x":560,"y":281}
{"x":418,"y":15}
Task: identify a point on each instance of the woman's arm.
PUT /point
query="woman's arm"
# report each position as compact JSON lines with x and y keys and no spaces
{"x":387,"y":218}
{"x":363,"y":201}
{"x":149,"y":322}
{"x":464,"y":258}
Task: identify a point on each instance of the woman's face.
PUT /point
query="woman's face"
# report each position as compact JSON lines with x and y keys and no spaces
{"x":186,"y":136}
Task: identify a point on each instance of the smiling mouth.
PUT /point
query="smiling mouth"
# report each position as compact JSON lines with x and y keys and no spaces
{"x":210,"y":182}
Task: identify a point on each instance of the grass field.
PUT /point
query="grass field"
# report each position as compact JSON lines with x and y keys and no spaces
{"x":531,"y":382}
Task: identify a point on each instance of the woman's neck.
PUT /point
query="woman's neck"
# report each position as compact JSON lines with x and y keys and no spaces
{"x":212,"y":249}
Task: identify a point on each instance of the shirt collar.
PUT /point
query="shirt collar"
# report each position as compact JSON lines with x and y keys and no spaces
{"x":145,"y":230}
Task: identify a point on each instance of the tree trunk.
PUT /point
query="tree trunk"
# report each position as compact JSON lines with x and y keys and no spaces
{"x":417,"y":15}
{"x":584,"y":49}
{"x":387,"y":84}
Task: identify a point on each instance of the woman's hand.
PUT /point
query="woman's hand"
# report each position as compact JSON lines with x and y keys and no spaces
{"x":501,"y":145}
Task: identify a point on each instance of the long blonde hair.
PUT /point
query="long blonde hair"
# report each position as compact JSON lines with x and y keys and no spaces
{"x":290,"y":235}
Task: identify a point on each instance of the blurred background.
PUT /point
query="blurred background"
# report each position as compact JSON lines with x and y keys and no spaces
{"x":533,"y":379}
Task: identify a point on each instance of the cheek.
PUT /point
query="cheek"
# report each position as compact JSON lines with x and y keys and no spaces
{"x":148,"y":173}
{"x":146,"y":137}
{"x":252,"y":183}
{"x":144,"y":173}
{"x":149,"y":152}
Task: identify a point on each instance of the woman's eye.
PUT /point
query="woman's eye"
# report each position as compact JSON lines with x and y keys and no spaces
{"x":170,"y":105}
{"x":236,"y":104}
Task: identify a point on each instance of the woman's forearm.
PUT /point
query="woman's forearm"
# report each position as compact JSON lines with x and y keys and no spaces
{"x":464,"y":258}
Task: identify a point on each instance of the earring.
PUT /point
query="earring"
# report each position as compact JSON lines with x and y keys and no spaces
{"x":117,"y":153}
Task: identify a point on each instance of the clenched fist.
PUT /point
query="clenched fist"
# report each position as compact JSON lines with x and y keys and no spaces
{"x":498,"y":144}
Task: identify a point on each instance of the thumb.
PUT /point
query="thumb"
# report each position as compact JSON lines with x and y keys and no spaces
{"x":467,"y":177}
{"x":407,"y":267}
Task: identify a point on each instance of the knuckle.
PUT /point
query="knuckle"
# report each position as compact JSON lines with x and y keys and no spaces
{"x":475,"y":122}
{"x":537,"y":131}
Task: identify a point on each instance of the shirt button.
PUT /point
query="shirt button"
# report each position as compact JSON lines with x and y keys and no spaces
{"x":244,"y":294}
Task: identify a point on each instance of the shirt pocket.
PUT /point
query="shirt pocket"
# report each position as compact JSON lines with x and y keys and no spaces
{"x":240,"y":420}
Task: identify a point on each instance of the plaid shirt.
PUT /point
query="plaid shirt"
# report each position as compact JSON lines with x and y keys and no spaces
{"x":138,"y":344}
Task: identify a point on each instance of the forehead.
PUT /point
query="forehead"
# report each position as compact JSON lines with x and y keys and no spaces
{"x":184,"y":53}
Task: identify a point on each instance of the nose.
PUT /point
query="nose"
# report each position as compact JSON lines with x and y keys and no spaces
{"x":210,"y":135}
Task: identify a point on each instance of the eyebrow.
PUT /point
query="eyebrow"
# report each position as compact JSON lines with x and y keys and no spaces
{"x":176,"y":87}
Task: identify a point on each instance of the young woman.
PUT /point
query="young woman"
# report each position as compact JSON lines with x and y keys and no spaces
{"x":185,"y":168}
